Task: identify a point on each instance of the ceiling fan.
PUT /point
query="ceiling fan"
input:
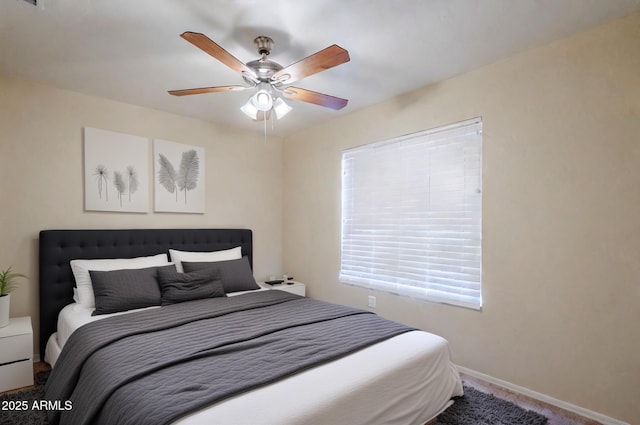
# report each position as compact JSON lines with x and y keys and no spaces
{"x":270,"y":78}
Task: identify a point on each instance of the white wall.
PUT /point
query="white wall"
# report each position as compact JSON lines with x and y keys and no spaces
{"x":41,"y":177}
{"x":561,"y":216}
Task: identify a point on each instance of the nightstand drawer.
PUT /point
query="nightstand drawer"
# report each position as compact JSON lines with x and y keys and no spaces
{"x":16,"y":375}
{"x":16,"y":340}
{"x":17,"y":347}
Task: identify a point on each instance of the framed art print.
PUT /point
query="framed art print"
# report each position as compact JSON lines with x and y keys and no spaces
{"x":116,"y":171}
{"x":179,"y":176}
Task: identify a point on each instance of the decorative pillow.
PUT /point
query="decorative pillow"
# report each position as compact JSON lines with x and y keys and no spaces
{"x":81,"y":269}
{"x":128,"y":289}
{"x":226,"y":254}
{"x":179,"y":287}
{"x":236,"y":274}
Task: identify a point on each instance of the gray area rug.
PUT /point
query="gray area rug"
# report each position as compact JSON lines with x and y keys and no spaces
{"x":478,"y":408}
{"x":9,"y":402}
{"x":474,"y":408}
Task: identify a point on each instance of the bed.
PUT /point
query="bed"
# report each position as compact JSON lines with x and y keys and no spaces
{"x":385,"y":373}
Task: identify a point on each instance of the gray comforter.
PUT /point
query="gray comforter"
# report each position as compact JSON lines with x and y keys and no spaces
{"x":155,"y":366}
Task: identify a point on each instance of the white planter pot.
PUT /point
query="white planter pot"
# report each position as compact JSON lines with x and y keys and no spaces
{"x":4,"y":310}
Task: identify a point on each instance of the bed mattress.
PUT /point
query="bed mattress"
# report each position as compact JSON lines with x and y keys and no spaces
{"x":407,"y":379}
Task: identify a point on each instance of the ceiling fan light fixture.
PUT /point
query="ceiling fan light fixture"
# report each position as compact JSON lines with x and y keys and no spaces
{"x":262,"y":100}
{"x":250,"y":110}
{"x":281,"y":108}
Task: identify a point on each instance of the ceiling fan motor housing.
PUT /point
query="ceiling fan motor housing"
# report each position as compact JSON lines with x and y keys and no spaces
{"x":263,"y":67}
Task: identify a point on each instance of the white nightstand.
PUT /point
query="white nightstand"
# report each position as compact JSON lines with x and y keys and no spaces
{"x":16,"y":354}
{"x":297,"y":288}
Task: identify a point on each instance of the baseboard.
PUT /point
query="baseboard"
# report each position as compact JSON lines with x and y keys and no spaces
{"x":586,"y":413}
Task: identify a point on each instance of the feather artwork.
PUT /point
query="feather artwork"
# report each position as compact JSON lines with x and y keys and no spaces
{"x":116,"y":169}
{"x":118,"y":182}
{"x":188,"y":174}
{"x":132,"y":179}
{"x":167,"y":175}
{"x":179,"y":177}
{"x":102,"y":176}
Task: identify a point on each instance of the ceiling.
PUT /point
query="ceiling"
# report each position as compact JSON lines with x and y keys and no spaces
{"x":131,"y":51}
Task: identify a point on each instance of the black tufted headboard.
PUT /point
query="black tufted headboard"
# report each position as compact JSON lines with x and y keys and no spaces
{"x":58,"y":247}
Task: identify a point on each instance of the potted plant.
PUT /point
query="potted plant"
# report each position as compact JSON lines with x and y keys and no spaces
{"x":8,"y":282}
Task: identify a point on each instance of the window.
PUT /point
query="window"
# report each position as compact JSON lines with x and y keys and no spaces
{"x":412,"y":215}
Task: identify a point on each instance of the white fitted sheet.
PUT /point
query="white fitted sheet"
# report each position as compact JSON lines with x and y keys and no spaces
{"x":407,"y":379}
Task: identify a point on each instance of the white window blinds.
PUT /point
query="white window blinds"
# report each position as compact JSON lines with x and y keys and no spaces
{"x":412,"y":215}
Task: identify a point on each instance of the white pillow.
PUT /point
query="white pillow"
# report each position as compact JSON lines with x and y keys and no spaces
{"x":226,"y":254}
{"x":81,"y":269}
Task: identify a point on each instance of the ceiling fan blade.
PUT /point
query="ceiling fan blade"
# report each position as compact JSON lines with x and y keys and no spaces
{"x":319,"y":61}
{"x":207,"y":90}
{"x":204,"y":43}
{"x":309,"y":96}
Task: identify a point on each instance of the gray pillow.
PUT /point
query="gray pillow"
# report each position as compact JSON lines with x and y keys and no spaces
{"x":179,"y":287}
{"x":122,"y":290}
{"x":236,"y":274}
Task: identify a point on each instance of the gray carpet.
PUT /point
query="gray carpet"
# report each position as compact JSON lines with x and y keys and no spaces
{"x":478,"y":408}
{"x":474,"y":408}
{"x":24,"y":417}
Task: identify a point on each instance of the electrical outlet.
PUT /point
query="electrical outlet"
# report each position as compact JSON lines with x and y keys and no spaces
{"x":372,"y":301}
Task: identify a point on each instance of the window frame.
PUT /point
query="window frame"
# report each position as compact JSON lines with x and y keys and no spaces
{"x":466,"y":133}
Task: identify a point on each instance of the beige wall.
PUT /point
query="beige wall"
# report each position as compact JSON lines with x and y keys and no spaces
{"x":561,"y":272}
{"x":561,"y":216}
{"x":41,"y":176}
